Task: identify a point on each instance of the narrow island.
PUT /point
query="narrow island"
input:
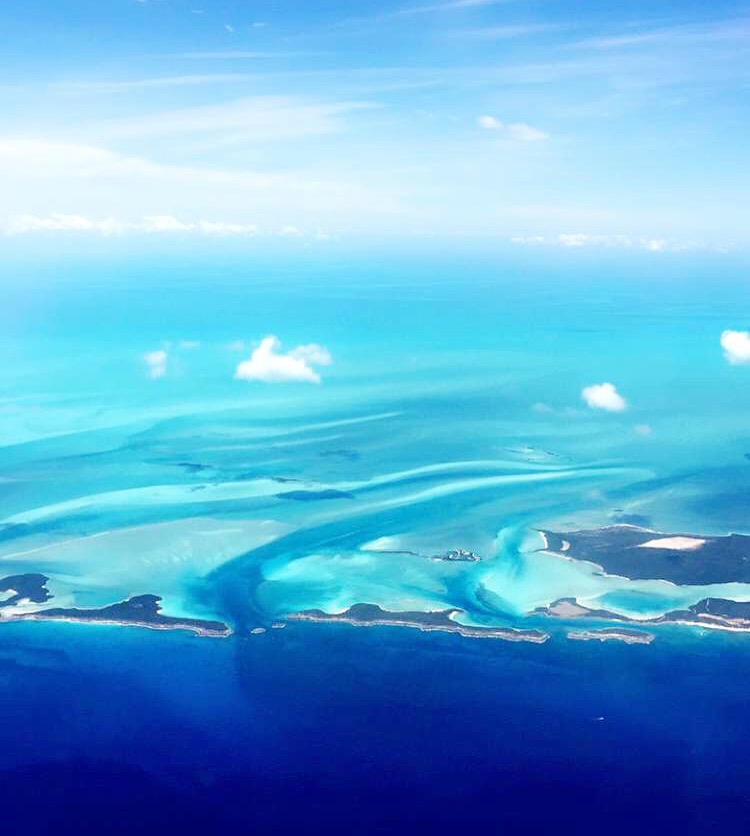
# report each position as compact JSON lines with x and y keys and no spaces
{"x":371,"y":615}
{"x":713,"y":613}
{"x":612,"y":634}
{"x":138,"y":611}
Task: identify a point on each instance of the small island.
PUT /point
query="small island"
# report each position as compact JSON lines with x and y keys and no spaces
{"x":31,"y":587}
{"x":138,"y":611}
{"x":612,"y":634}
{"x":458,"y":555}
{"x":371,"y":615}
{"x":714,"y":613}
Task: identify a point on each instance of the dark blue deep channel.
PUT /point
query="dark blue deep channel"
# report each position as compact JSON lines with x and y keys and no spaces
{"x":334,"y":729}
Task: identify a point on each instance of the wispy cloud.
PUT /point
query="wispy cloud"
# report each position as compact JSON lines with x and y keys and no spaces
{"x":148,"y":83}
{"x":254,"y":119}
{"x":238,"y":54}
{"x":449,"y":5}
{"x":518,"y":131}
{"x":704,"y":33}
{"x":508,"y":31}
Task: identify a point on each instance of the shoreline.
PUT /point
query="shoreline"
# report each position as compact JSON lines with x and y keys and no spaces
{"x":436,"y":621}
{"x":603,"y":635}
{"x":196,"y":630}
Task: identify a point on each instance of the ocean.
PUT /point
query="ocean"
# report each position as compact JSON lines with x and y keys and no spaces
{"x":451,"y":417}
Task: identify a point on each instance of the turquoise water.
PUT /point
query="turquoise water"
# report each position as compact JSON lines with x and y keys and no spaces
{"x":451,"y":417}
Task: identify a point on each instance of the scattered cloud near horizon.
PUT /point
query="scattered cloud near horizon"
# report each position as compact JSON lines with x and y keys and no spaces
{"x":148,"y":225}
{"x":268,"y":365}
{"x":604,"y":396}
{"x":579,"y":240}
{"x":736,"y":345}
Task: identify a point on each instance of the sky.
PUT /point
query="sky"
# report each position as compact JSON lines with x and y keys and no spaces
{"x":535,"y":123}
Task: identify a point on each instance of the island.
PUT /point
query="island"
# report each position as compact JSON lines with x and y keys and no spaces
{"x":138,"y":611}
{"x":714,"y":613}
{"x":371,"y":615}
{"x":569,"y":608}
{"x":642,"y":554}
{"x":458,"y":555}
{"x":612,"y":634}
{"x":30,"y":587}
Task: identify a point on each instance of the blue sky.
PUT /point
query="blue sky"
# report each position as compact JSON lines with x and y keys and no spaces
{"x":542,"y":124}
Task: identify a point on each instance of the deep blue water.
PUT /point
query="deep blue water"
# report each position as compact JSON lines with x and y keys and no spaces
{"x":334,"y":729}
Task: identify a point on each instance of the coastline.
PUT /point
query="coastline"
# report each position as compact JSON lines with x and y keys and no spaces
{"x":603,"y":635}
{"x":191,"y":628}
{"x":437,"y":621}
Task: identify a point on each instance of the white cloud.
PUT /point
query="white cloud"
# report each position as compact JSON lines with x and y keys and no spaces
{"x":489,"y":123}
{"x":149,"y":225}
{"x":156,"y":361}
{"x":574,"y":240}
{"x":313,"y":353}
{"x":148,"y":83}
{"x":525,"y":133}
{"x":542,"y":408}
{"x":643,"y":429}
{"x":41,"y":178}
{"x":59,"y":222}
{"x":509,"y":31}
{"x":517,"y":131}
{"x":254,"y":120}
{"x":266,"y":364}
{"x":604,"y":396}
{"x":449,"y":5}
{"x":736,"y":345}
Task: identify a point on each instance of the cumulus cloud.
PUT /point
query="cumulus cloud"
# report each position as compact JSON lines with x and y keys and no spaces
{"x":269,"y":365}
{"x":604,"y":396}
{"x":156,"y":361}
{"x":736,"y":345}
